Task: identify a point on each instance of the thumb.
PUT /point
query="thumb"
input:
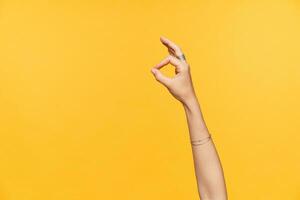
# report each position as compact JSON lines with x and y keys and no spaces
{"x":160,"y":77}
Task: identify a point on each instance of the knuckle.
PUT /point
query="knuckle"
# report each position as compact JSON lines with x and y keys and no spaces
{"x":185,"y":66}
{"x":178,"y":51}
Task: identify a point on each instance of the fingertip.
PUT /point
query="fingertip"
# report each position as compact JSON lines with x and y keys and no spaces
{"x":152,"y":70}
{"x":163,"y":39}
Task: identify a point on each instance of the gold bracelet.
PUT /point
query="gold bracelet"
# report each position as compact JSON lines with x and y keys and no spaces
{"x":201,"y":141}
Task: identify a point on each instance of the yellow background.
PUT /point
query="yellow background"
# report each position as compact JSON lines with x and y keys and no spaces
{"x":83,"y":118}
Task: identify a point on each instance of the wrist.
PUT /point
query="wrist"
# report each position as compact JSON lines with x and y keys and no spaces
{"x":191,"y":104}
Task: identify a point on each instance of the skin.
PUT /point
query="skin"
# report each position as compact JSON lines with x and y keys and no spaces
{"x":207,"y":165}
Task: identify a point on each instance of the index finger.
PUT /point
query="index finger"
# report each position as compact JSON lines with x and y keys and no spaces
{"x":169,"y":59}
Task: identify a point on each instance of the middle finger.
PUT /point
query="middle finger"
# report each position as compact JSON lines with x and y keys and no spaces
{"x":174,"y":48}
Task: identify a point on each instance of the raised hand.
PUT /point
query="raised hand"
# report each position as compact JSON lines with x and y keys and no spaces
{"x":181,"y":85}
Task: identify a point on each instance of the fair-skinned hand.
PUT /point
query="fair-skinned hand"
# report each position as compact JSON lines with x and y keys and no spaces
{"x":180,"y":85}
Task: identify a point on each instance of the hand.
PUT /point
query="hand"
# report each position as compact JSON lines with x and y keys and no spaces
{"x":181,"y":85}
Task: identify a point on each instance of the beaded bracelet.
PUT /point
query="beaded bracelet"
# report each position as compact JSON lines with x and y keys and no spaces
{"x":201,"y":141}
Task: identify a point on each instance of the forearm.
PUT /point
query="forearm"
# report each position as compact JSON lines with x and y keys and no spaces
{"x":196,"y":123}
{"x":208,"y":169}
